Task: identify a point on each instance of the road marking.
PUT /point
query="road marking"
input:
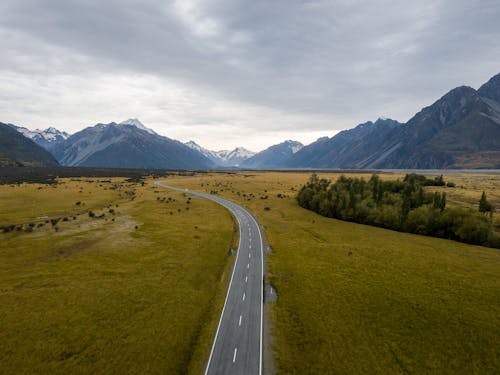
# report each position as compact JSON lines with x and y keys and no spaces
{"x":246,"y":278}
{"x":244,"y":295}
{"x":250,"y":246}
{"x":249,"y":255}
{"x":239,"y":323}
{"x":234,"y":355}
{"x":248,"y":266}
{"x":247,"y":219}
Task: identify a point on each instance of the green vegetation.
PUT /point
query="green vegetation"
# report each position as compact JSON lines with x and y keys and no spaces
{"x":357,"y":299}
{"x":126,"y":281}
{"x":140,"y":289}
{"x":399,"y":205}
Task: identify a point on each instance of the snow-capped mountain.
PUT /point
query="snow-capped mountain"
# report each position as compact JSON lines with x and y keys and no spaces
{"x":47,"y":138}
{"x":273,"y":156}
{"x":235,"y":157}
{"x":127,"y":146}
{"x":212,"y":155}
{"x":223,"y":158}
{"x":139,"y":125}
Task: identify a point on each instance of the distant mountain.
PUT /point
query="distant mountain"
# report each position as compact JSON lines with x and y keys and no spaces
{"x":234,"y":157}
{"x":17,"y":149}
{"x":223,"y":158}
{"x":274,"y":156}
{"x":460,"y":130}
{"x":127,"y":146}
{"x":139,"y":125}
{"x":212,"y":155}
{"x":47,"y":138}
{"x":347,"y":149}
{"x":491,"y":89}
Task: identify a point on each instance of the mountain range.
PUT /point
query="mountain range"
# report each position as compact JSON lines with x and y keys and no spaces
{"x":127,"y":144}
{"x":223,"y":158}
{"x":46,"y":138}
{"x":16,"y":149}
{"x":460,"y":130}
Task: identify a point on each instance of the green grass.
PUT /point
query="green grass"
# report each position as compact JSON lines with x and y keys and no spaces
{"x":100,"y":296}
{"x":360,"y":299}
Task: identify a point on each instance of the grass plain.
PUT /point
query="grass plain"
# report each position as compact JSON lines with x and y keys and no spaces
{"x":359,"y":299}
{"x":138,"y":290}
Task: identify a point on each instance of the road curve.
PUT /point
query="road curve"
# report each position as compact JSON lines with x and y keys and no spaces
{"x":237,"y":346}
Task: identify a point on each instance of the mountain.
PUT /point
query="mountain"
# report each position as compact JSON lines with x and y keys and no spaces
{"x":139,"y":125}
{"x":234,"y":157}
{"x":491,"y":89}
{"x":460,"y":130}
{"x":15,"y":148}
{"x":127,"y":146}
{"x":47,"y":138}
{"x":212,"y":155}
{"x":274,"y":156}
{"x":223,"y":158}
{"x":347,"y":146}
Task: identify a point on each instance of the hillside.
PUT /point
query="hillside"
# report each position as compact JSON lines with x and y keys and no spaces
{"x":274,"y":156}
{"x":127,"y":146}
{"x":460,"y":130}
{"x":16,"y":148}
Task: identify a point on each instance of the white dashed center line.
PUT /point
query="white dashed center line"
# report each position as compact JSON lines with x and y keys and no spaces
{"x":244,"y":295}
{"x":239,"y":323}
{"x":234,"y":355}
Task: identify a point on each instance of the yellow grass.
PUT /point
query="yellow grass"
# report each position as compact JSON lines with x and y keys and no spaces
{"x":359,"y":299}
{"x":140,"y":294}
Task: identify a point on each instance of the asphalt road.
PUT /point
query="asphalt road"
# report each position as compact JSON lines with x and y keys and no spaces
{"x":237,"y":346}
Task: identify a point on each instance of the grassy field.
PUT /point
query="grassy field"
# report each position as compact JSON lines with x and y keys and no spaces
{"x":360,"y":299}
{"x":135,"y":289}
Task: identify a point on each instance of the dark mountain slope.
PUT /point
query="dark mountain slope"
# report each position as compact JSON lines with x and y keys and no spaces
{"x":15,"y":147}
{"x":491,"y":89}
{"x":274,"y":156}
{"x":126,"y":146}
{"x":348,"y":149}
{"x":460,"y":130}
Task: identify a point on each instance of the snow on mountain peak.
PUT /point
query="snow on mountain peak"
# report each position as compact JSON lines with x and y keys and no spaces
{"x":294,"y":146}
{"x":43,"y":137}
{"x":139,"y":125}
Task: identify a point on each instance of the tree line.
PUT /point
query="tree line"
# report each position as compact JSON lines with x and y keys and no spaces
{"x":399,"y":205}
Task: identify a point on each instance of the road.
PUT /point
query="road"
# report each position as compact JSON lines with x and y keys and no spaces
{"x":237,"y":346}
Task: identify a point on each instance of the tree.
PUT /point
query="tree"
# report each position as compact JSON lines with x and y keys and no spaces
{"x":484,"y":205}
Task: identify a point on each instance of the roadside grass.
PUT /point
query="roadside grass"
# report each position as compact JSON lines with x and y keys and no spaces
{"x":359,"y":299}
{"x":138,"y":290}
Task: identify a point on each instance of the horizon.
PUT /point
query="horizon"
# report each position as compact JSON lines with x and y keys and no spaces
{"x":226,"y":78}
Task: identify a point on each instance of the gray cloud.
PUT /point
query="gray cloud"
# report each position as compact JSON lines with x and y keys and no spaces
{"x":262,"y":69}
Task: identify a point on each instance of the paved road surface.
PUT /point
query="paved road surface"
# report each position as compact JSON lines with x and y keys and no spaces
{"x":237,"y":346}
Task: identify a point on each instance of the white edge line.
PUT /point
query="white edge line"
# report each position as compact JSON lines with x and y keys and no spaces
{"x":159,"y":183}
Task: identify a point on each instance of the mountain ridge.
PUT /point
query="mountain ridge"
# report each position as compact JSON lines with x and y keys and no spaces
{"x":17,"y":149}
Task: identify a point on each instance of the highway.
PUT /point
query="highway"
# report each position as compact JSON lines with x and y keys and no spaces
{"x":237,"y":345}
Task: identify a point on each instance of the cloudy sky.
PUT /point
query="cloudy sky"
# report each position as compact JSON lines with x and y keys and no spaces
{"x":229,"y":73}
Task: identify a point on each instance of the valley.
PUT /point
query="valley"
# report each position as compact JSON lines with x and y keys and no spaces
{"x":350,"y":298}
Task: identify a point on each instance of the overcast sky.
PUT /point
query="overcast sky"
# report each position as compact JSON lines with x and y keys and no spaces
{"x":238,"y":73}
